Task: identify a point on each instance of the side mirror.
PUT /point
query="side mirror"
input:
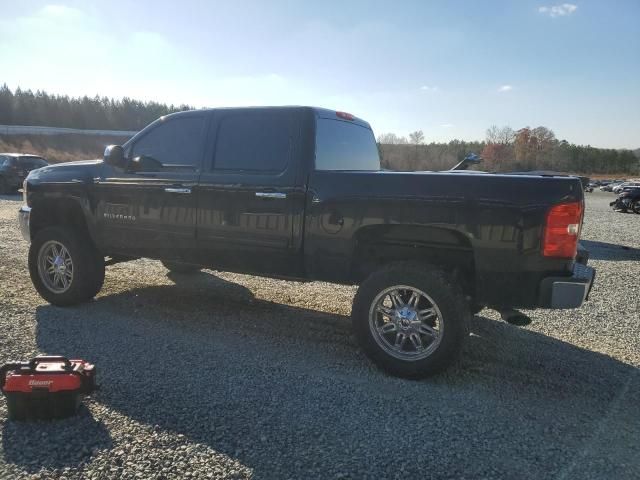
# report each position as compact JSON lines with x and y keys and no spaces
{"x":114,"y":156}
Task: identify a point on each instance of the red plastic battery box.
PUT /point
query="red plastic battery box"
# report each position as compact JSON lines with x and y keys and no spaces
{"x":46,"y":387}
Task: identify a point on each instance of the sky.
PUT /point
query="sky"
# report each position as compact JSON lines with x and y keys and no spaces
{"x":449,"y":68}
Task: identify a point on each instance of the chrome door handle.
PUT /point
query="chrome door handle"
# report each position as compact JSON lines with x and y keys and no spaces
{"x":177,"y":190}
{"x":279,"y":195}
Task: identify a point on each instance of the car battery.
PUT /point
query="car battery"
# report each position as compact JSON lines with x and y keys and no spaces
{"x":46,"y":387}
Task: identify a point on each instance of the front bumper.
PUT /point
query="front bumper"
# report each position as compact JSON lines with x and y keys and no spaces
{"x":567,"y":292}
{"x":24,"y":215}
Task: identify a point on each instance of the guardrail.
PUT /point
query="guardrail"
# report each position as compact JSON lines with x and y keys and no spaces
{"x":36,"y":130}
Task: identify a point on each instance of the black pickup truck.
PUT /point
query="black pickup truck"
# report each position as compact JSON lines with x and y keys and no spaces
{"x":298,"y":193}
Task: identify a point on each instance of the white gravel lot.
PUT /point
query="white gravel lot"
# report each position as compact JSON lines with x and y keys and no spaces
{"x":231,"y":376}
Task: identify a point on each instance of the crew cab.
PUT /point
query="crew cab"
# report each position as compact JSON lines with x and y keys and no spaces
{"x":298,"y":193}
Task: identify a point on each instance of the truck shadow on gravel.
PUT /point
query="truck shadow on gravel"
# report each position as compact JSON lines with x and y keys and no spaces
{"x":610,"y":251}
{"x":285,"y":391}
{"x":51,"y":445}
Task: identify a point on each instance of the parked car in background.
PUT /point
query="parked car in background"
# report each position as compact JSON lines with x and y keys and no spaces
{"x":14,"y":168}
{"x":628,"y":200}
{"x":625,"y":186}
{"x":609,"y":187}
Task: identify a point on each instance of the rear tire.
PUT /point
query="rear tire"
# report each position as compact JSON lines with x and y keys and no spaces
{"x":65,"y":267}
{"x":635,"y":206}
{"x":183,"y":268}
{"x":410,"y":320}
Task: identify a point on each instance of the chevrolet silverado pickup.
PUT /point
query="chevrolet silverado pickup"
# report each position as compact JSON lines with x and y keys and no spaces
{"x":299,"y":193}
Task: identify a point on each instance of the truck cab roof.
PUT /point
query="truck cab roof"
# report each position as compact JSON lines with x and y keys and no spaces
{"x":317,"y":111}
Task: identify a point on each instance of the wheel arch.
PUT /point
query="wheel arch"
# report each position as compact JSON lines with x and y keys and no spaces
{"x":445,"y":248}
{"x":64,"y":212}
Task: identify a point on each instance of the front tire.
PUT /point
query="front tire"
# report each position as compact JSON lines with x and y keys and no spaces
{"x":65,"y":267}
{"x":635,"y":206}
{"x":410,"y":321}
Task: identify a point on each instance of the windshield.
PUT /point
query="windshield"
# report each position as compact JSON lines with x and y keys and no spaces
{"x":342,"y":145}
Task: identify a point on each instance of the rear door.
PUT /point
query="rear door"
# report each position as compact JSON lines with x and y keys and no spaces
{"x":251,"y":196}
{"x":151,"y":210}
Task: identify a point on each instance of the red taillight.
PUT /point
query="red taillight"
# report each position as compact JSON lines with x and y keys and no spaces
{"x":562,"y":230}
{"x":345,"y":116}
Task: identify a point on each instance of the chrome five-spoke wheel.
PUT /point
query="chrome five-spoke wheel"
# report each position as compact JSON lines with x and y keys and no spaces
{"x":406,"y":323}
{"x":55,"y":266}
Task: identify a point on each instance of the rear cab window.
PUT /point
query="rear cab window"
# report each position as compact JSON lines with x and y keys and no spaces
{"x":345,"y":145}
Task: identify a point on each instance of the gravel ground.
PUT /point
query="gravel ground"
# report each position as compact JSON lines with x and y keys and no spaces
{"x":231,"y":376}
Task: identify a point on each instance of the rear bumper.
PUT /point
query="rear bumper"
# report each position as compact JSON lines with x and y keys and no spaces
{"x":567,"y":292}
{"x":24,"y":214}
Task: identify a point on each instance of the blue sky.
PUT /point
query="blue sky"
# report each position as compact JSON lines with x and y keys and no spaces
{"x":450,"y":68}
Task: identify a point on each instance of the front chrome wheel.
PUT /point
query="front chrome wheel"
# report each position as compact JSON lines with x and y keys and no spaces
{"x":55,"y":266}
{"x":406,"y":322}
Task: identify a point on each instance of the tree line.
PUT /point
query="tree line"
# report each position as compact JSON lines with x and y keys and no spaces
{"x":24,"y":107}
{"x":505,"y":149}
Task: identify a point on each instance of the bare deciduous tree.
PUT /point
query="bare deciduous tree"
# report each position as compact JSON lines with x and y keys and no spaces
{"x":500,"y":135}
{"x":391,"y":139}
{"x":417,"y":137}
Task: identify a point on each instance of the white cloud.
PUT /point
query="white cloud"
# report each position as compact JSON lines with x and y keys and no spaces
{"x":65,"y":50}
{"x":447,"y":125}
{"x":562,"y":10}
{"x":427,"y":88}
{"x":505,"y":88}
{"x":60,"y":11}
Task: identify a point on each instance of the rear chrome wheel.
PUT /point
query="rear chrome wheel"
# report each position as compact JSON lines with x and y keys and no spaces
{"x":410,"y":319}
{"x":406,"y":322}
{"x":55,"y":266}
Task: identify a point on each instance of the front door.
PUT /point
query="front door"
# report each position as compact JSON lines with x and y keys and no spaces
{"x":250,"y":201}
{"x":149,"y":208}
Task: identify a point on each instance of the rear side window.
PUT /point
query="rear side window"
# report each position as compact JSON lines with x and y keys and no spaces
{"x":344,"y":145}
{"x":3,"y":161}
{"x":254,"y":141}
{"x":9,"y":161}
{"x":177,"y":142}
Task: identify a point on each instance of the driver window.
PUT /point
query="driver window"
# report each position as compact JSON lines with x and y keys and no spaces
{"x":178,"y":142}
